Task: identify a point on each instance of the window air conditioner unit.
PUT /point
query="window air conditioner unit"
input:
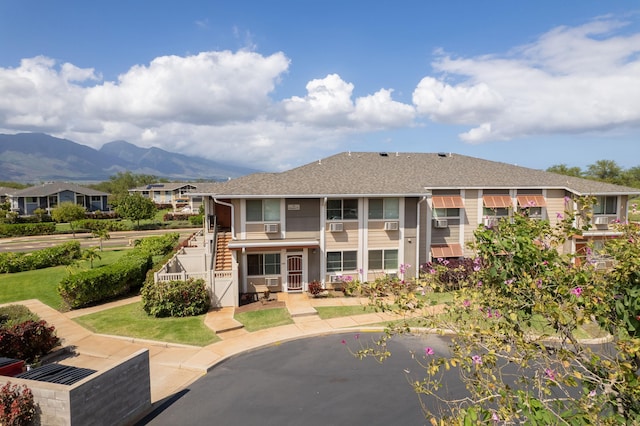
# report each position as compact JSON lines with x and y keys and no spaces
{"x":601,"y":264}
{"x":440,"y":223}
{"x":601,"y":220}
{"x":336,"y":227}
{"x":272,"y":281}
{"x":490,"y":222}
{"x":335,"y":278}
{"x":271,"y":228}
{"x":391,"y":226}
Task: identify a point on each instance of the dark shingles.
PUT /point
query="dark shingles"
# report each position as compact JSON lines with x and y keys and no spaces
{"x":366,"y":173}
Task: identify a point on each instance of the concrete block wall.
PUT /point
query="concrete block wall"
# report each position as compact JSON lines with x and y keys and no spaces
{"x":116,"y":396}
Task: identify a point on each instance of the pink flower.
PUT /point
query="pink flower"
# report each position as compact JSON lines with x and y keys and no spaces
{"x":429,"y":350}
{"x":477,"y":359}
{"x":432,"y":271}
{"x":551,"y":375}
{"x":509,"y":281}
{"x":577,"y":291}
{"x":344,"y":342}
{"x":357,"y":336}
{"x":559,"y":216}
{"x":466,"y":303}
{"x":479,"y":283}
{"x":476,"y":268}
{"x":567,"y":199}
{"x":495,"y":417}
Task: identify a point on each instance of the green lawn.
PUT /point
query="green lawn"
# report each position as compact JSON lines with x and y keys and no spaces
{"x":132,"y":321}
{"x":266,"y":318}
{"x":42,"y":284}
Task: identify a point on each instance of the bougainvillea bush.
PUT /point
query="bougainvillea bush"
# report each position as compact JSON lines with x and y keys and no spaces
{"x":517,"y":319}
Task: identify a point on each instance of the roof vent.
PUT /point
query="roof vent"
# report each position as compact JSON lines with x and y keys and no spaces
{"x":442,"y":154}
{"x":384,"y":154}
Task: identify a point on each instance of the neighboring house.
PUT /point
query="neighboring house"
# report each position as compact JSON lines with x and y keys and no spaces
{"x":176,"y":194}
{"x":49,"y":195}
{"x":4,"y":193}
{"x":371,"y":214}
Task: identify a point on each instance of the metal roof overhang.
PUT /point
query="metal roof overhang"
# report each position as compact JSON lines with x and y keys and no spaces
{"x":497,"y":201}
{"x":449,"y":250}
{"x":291,"y":243}
{"x":531,"y":201}
{"x":447,"y":202}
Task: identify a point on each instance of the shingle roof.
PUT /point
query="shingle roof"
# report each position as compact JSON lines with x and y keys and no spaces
{"x":367,"y":173}
{"x":55,"y":188}
{"x":164,"y":186}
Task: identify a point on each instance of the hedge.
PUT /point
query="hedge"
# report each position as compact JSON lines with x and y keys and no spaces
{"x":95,"y":285}
{"x":63,"y":254}
{"x":96,"y":224}
{"x":158,"y":245}
{"x":175,"y":298}
{"x":26,"y":229}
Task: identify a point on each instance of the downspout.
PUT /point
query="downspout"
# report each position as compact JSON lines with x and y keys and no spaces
{"x":323,"y":223}
{"x":233,"y":216}
{"x":424,"y":198}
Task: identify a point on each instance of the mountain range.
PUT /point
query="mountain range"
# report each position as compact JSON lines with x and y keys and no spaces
{"x":38,"y":157}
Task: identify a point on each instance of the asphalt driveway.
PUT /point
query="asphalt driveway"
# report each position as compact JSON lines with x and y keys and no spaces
{"x":312,"y":381}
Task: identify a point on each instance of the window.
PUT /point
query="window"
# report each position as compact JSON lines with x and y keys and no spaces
{"x":342,"y":209}
{"x":53,"y":200}
{"x":96,"y":198}
{"x":338,"y":261}
{"x":383,"y":259}
{"x":444,"y":213}
{"x":263,"y":264}
{"x":384,"y":208}
{"x":532,"y":212}
{"x":263,"y":210}
{"x":606,"y":205}
{"x":498,"y":212}
{"x":32,"y":199}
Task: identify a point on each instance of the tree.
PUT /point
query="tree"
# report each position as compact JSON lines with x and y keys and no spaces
{"x":604,"y":170}
{"x":563,"y":169}
{"x":516,"y":320}
{"x":136,"y":207}
{"x":68,"y":212}
{"x":102,"y":233}
{"x":91,"y":254}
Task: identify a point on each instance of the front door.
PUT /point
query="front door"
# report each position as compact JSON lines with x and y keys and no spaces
{"x":294,"y":272}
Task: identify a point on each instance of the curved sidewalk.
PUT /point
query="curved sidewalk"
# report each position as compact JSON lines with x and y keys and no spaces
{"x":174,"y":366}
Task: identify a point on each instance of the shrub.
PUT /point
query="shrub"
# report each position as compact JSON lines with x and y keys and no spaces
{"x":175,"y":298}
{"x":94,"y":285}
{"x":17,"y":407}
{"x":315,"y":288}
{"x":96,"y":224}
{"x":26,"y":229}
{"x":11,"y":315}
{"x":29,"y":340}
{"x":158,"y":246}
{"x":62,"y":254}
{"x":196,"y":220}
{"x":450,"y":274}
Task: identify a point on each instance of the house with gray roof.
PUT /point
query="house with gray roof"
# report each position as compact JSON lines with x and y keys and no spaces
{"x":47,"y":196}
{"x":369,"y":214}
{"x":175,"y":194}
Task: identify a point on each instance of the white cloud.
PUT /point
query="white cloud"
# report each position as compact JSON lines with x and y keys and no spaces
{"x":571,"y":80}
{"x":222,"y":104}
{"x":211,"y":87}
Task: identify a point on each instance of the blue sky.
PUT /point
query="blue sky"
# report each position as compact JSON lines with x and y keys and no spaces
{"x":276,"y":84}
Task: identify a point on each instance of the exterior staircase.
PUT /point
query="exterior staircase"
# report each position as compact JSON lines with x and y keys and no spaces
{"x":223,"y":253}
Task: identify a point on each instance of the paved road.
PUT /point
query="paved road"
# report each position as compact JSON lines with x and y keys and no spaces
{"x":118,"y":239}
{"x":313,"y":381}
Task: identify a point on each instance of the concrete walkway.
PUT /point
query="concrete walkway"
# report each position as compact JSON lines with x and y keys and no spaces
{"x":173,"y":366}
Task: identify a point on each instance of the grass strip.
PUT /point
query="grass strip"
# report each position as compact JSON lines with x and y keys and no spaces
{"x":132,"y":321}
{"x":264,"y":318}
